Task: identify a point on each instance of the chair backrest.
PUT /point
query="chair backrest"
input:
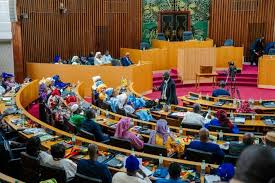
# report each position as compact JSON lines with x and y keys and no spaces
{"x":161,"y":36}
{"x":48,"y":172}
{"x":116,"y":62}
{"x":122,"y":143}
{"x":30,"y":166}
{"x":70,"y":127}
{"x":187,"y":35}
{"x":144,"y":45}
{"x":121,"y":111}
{"x":83,"y":133}
{"x":219,"y":128}
{"x":85,"y":179}
{"x":154,"y":149}
{"x":228,"y":42}
{"x":271,"y":51}
{"x":205,"y":69}
{"x":231,"y":159}
{"x":191,"y":126}
{"x":199,"y":156}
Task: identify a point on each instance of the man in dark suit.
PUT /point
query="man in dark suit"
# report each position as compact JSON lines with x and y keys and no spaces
{"x":126,"y":61}
{"x":168,"y":90}
{"x":92,"y":168}
{"x":204,"y":145}
{"x":236,"y":148}
{"x":91,"y":126}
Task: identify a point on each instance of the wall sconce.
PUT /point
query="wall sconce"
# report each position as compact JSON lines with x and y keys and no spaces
{"x":62,"y":8}
{"x":23,"y":16}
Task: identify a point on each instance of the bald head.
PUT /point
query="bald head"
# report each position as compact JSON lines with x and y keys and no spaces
{"x":204,"y":135}
{"x":196,"y":108}
{"x":92,"y":150}
{"x":248,"y":138}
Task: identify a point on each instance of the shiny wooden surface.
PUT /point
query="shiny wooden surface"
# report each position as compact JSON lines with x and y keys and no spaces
{"x":111,"y":75}
{"x":226,"y":54}
{"x":8,"y":179}
{"x":266,"y":74}
{"x":173,"y":47}
{"x":87,"y":26}
{"x":241,"y":20}
{"x":190,"y":60}
{"x":157,"y":56}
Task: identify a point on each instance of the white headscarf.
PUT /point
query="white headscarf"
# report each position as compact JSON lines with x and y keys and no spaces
{"x":74,"y":107}
{"x":98,"y":61}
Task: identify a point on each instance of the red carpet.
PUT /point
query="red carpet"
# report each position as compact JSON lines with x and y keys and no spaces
{"x":247,"y":85}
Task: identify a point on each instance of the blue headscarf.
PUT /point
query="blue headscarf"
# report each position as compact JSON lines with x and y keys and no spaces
{"x":226,"y":171}
{"x":56,"y":59}
{"x":59,"y":84}
{"x":6,"y":75}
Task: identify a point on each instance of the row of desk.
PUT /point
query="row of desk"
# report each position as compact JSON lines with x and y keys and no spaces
{"x":103,"y":147}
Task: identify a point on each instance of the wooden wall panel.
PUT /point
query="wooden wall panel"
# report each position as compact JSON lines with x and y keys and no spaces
{"x":88,"y":25}
{"x":242,"y":20}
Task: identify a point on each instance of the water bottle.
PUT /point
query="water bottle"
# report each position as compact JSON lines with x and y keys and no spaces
{"x":260,"y":101}
{"x":107,"y":114}
{"x":73,"y":140}
{"x":221,"y":135}
{"x":234,"y":101}
{"x":203,"y":168}
{"x":253,"y":116}
{"x":133,"y":152}
{"x":257,"y":141}
{"x":169,"y":108}
{"x":97,"y":112}
{"x":207,"y":97}
{"x":232,"y":116}
{"x":160,"y":160}
{"x":180,"y":131}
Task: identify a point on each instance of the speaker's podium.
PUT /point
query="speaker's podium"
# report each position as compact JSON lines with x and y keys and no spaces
{"x":266,"y":74}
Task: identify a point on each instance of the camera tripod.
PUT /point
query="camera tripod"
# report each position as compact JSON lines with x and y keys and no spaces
{"x":231,"y":77}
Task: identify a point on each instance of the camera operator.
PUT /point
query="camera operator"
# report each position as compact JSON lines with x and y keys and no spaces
{"x":232,"y":71}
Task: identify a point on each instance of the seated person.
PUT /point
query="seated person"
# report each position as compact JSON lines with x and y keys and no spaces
{"x":76,"y":118}
{"x":174,"y":175}
{"x":92,"y":168}
{"x":107,"y":58}
{"x":162,"y":137}
{"x":245,"y":108}
{"x":236,"y":148}
{"x":98,"y":59}
{"x":8,"y":81}
{"x":33,"y":149}
{"x":75,"y":60}
{"x":223,"y":121}
{"x":133,"y":174}
{"x":126,"y":61}
{"x":204,"y":145}
{"x":57,"y":60}
{"x":90,"y":58}
{"x":270,"y":139}
{"x":58,"y":83}
{"x":91,"y":126}
{"x":122,"y":131}
{"x":255,"y":165}
{"x":194,"y":118}
{"x":221,"y":91}
{"x":58,"y":160}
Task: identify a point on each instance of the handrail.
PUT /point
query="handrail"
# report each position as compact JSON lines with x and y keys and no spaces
{"x":9,"y":179}
{"x":23,"y":91}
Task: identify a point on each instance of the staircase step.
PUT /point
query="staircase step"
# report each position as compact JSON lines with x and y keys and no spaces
{"x":247,"y":79}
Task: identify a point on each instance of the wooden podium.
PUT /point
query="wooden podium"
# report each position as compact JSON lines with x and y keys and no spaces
{"x":266,"y":74}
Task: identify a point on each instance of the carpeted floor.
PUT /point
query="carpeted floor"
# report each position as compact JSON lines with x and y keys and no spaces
{"x":246,"y":92}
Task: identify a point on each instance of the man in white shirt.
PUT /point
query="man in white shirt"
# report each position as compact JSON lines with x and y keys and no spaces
{"x":58,"y":160}
{"x":194,"y":118}
{"x":133,"y":175}
{"x":107,"y":58}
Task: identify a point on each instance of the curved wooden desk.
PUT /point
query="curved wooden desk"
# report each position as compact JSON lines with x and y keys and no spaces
{"x":33,"y":94}
{"x":256,"y":125}
{"x":9,"y":179}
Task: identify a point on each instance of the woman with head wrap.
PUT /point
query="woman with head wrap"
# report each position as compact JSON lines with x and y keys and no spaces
{"x":58,"y":83}
{"x":98,"y":59}
{"x":161,"y":136}
{"x":122,"y":131}
{"x":8,"y":81}
{"x":75,"y":60}
{"x":223,"y":121}
{"x":57,"y":60}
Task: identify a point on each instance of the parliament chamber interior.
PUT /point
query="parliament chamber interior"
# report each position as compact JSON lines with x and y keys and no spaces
{"x":137,"y":91}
